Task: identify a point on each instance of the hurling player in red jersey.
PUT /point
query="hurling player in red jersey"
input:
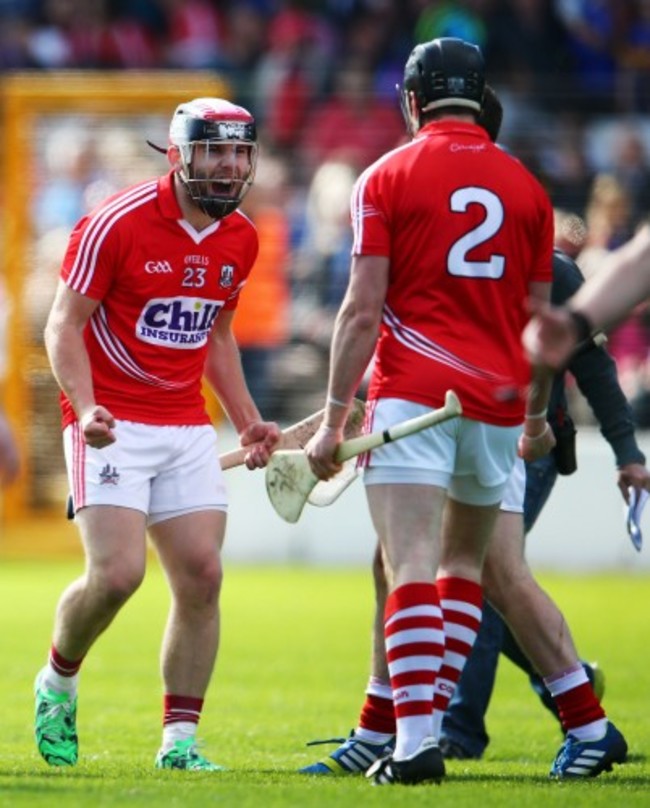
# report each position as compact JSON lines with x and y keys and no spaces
{"x":143,"y":311}
{"x":451,"y":238}
{"x":544,"y":647}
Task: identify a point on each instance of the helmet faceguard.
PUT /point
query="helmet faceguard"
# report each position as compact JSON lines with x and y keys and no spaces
{"x":200,"y":127}
{"x":446,"y":72}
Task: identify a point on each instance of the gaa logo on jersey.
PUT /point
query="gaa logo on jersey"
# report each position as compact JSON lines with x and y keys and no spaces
{"x":158,"y":268}
{"x":177,"y":322}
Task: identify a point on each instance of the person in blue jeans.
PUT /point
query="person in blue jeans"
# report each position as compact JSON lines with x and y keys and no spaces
{"x":464,"y":733}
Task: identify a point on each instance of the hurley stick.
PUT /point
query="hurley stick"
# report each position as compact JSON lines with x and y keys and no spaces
{"x":290,"y":480}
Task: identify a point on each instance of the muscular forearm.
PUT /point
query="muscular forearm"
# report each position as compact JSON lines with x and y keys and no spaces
{"x":70,"y":364}
{"x":539,"y":393}
{"x":224,"y":373}
{"x":353,"y":344}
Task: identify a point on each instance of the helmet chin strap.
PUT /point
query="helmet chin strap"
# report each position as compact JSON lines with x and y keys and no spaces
{"x":157,"y":148}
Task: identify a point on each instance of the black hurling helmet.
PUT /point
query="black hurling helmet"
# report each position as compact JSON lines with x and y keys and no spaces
{"x":446,"y":72}
{"x":206,"y":122}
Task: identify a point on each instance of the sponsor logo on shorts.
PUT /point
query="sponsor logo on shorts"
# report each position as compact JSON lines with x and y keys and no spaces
{"x":177,"y":322}
{"x":109,"y":475}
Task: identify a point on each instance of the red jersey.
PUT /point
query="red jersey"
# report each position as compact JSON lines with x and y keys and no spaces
{"x":161,"y":285}
{"x":466,"y":228}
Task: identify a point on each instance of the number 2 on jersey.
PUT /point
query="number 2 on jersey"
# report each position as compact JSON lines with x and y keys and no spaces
{"x":457,"y":263}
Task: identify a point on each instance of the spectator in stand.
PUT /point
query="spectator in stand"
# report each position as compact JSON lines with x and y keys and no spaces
{"x":634,"y":56}
{"x":195,"y":34}
{"x":570,"y":232}
{"x":608,"y":226}
{"x":9,"y":453}
{"x":527,"y":46}
{"x":381,"y":38}
{"x":563,"y":163}
{"x":353,"y":122}
{"x":261,"y":324}
{"x":631,"y":167}
{"x":68,"y":165}
{"x":244,"y":47}
{"x":291,"y":74}
{"x":607,"y":217}
{"x":15,"y":32}
{"x":123,"y":41}
{"x":319,"y":278}
{"x":49,"y":44}
{"x":73,"y":33}
{"x":458,"y":18}
{"x":592,"y":28}
{"x":321,"y":267}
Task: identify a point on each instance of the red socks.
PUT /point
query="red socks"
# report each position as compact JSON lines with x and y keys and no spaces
{"x":181,"y":708}
{"x":462,"y":607}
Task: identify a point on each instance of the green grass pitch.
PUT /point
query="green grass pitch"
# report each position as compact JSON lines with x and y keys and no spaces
{"x":292,"y":667}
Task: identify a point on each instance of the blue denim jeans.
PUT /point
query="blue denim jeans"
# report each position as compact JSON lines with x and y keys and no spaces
{"x":464,"y":721}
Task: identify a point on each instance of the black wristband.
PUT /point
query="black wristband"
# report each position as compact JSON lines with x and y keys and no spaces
{"x":582,"y":324}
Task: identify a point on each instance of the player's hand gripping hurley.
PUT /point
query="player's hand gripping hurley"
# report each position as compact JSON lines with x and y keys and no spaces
{"x":290,"y":480}
{"x":297,"y":436}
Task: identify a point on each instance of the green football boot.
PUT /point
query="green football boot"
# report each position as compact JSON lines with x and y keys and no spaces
{"x":185,"y":755}
{"x":55,"y":725}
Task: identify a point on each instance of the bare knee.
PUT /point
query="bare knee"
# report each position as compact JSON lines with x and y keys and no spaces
{"x":115,"y":582}
{"x":208,"y":581}
{"x":198,"y":586}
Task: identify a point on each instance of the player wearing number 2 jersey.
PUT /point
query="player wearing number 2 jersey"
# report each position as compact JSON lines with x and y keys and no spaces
{"x":593,"y":744}
{"x":143,"y":311}
{"x":451,"y":238}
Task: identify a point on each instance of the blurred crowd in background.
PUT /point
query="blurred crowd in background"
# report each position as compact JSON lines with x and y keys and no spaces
{"x":320,"y":77}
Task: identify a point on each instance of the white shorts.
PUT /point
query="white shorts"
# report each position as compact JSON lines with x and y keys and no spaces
{"x":515,"y":491}
{"x":163,"y":471}
{"x":470,"y":459}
